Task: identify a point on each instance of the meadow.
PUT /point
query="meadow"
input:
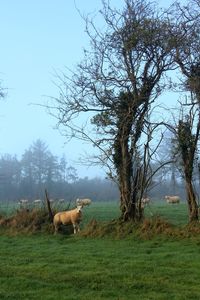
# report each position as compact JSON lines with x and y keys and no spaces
{"x":45,"y":266}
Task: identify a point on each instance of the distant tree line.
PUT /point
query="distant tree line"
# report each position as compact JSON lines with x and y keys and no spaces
{"x":38,"y":169}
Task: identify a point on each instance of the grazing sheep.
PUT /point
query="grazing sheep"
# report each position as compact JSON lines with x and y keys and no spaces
{"x":145,"y":200}
{"x":37,"y":201}
{"x":23,"y":203}
{"x":61,"y":200}
{"x":172,"y":199}
{"x":71,"y":217}
{"x":83,"y":202}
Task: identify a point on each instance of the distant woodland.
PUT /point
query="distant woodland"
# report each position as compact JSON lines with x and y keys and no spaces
{"x":38,"y":169}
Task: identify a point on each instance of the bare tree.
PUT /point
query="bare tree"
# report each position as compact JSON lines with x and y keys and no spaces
{"x":147,"y":163}
{"x":171,"y":172}
{"x":186,"y":143}
{"x":114,"y":86}
{"x":186,"y":55}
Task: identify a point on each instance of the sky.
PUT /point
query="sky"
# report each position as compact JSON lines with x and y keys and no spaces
{"x":39,"y":38}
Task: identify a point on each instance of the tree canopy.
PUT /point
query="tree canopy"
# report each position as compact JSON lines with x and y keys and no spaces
{"x":107,"y":99}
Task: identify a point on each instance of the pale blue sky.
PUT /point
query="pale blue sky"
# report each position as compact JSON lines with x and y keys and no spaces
{"x":38,"y":37}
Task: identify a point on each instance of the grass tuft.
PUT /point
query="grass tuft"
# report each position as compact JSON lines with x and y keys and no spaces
{"x":27,"y":221}
{"x":149,"y":228}
{"x":114,"y":228}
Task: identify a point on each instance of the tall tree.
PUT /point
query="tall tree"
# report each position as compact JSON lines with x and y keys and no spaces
{"x":52,"y":170}
{"x":114,"y":86}
{"x":187,"y":143}
{"x":40,"y":156}
{"x":186,"y":55}
{"x":67,"y":173}
{"x":38,"y":167}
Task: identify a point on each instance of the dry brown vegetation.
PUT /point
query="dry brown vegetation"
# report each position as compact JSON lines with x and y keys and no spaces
{"x":30,"y":222}
{"x":146,"y":229}
{"x":26,"y":221}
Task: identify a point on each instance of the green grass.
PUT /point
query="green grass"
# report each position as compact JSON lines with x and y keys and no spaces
{"x":58,"y":267}
{"x":104,"y":211}
{"x":7,"y":208}
{"x":101,"y":211}
{"x":176,"y":214}
{"x":43,"y":266}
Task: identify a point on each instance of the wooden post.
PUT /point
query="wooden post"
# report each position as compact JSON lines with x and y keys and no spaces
{"x":49,"y":207}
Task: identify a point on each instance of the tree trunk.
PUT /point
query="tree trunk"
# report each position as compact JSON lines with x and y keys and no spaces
{"x":125,"y":148}
{"x":188,"y":147}
{"x":127,"y":207}
{"x":173,"y":180}
{"x":130,"y":188}
{"x":192,"y":204}
{"x":123,"y":162}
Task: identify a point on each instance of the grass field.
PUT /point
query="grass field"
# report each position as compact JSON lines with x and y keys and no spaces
{"x":104,"y":211}
{"x":176,"y":214}
{"x":44,"y":266}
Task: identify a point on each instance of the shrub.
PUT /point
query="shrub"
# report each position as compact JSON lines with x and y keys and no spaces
{"x":29,"y":221}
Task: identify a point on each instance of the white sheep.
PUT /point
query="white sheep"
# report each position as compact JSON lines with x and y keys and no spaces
{"x":145,"y":200}
{"x":70,"y":217}
{"x":172,"y":199}
{"x":61,"y":200}
{"x":23,"y":203}
{"x":37,"y":201}
{"x":83,"y":202}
